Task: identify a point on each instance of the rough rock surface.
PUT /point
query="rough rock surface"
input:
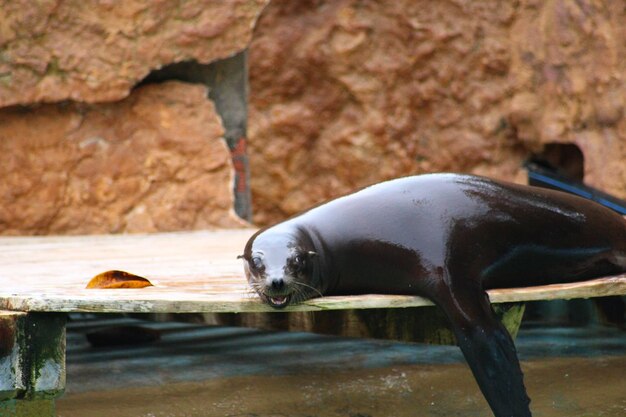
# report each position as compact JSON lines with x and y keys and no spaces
{"x":345,"y":93}
{"x":568,"y":67}
{"x":155,"y":161}
{"x":95,"y":51}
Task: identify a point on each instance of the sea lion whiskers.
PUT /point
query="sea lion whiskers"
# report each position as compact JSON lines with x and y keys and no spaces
{"x":252,"y":290}
{"x":317,"y":292}
{"x":299,"y":295}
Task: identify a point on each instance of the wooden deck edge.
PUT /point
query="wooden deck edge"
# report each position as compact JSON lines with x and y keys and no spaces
{"x":141,"y":301}
{"x":601,"y":287}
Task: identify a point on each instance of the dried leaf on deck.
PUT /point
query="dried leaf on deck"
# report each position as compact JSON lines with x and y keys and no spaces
{"x":118,"y":279}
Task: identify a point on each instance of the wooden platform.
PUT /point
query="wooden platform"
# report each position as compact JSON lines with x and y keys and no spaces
{"x":192,"y":272}
{"x":41,"y":278}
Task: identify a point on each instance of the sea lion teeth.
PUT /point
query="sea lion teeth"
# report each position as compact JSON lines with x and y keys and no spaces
{"x":279,"y":301}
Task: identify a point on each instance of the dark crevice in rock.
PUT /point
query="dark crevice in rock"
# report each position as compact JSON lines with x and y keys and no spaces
{"x":227,"y":83}
{"x":565,"y":158}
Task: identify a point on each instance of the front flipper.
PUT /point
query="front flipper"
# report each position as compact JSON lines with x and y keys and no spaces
{"x":489,"y":351}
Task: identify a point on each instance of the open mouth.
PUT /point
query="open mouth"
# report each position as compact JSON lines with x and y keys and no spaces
{"x":278,"y":301}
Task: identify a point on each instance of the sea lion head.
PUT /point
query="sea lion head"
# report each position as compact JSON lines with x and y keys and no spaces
{"x":281,"y":267}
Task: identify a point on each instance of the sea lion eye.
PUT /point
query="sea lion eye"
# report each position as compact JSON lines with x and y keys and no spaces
{"x":256,"y":263}
{"x":297,"y":263}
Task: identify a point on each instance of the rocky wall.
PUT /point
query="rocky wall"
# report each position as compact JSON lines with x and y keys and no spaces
{"x":105,"y":156}
{"x":345,"y":93}
{"x":97,"y":50}
{"x":155,"y":161}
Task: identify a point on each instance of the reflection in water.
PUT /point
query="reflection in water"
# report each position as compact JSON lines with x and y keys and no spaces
{"x":204,"y":371}
{"x":568,"y":387}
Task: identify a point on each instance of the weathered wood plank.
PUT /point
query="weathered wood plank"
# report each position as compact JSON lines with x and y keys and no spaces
{"x":191,"y":271}
{"x":413,"y":324}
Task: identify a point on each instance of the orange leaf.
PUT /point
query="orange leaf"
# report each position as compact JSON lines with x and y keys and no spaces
{"x":118,"y":279}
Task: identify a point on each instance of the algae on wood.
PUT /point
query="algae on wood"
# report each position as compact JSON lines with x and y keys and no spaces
{"x":32,"y":362}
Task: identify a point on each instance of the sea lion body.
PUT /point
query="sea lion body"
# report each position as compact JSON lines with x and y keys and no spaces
{"x":447,"y":237}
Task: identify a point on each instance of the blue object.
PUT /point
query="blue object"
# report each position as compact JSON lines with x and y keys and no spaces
{"x":541,"y":176}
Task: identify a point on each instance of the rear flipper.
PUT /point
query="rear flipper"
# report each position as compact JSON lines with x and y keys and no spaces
{"x":489,"y":351}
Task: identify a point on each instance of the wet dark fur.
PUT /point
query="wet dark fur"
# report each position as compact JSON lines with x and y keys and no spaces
{"x":449,"y":238}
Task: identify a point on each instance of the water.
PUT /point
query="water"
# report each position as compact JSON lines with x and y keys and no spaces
{"x":203,"y":371}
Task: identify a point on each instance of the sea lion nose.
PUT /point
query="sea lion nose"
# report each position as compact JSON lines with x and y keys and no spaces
{"x":278,"y":284}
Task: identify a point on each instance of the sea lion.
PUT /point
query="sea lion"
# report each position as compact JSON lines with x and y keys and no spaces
{"x":447,"y":237}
